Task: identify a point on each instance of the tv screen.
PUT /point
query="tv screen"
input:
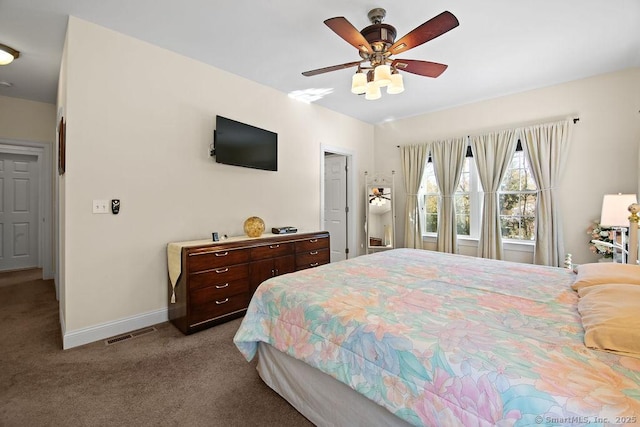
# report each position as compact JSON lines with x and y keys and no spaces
{"x":240,"y":144}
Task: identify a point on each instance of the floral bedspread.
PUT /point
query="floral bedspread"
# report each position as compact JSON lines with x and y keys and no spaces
{"x":446,"y":340}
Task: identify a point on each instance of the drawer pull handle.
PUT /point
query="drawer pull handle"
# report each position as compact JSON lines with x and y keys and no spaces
{"x":313,"y":240}
{"x":222,"y":253}
{"x":274,"y":246}
{"x":313,"y":253}
{"x":314,"y":264}
{"x":222,"y":270}
{"x":223,"y":301}
{"x":222,"y":286}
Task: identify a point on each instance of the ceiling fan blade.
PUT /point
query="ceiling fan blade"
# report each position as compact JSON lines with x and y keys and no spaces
{"x":349,"y":33}
{"x":431,"y":29}
{"x":421,"y":68}
{"x":332,"y":68}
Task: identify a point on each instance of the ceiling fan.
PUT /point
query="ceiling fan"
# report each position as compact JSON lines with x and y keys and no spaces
{"x":379,"y":194}
{"x":376,"y":43}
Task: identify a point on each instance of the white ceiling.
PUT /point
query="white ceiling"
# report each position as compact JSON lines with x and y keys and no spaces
{"x":500,"y":47}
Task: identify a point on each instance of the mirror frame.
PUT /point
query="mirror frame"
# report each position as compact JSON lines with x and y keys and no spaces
{"x":384,"y":233}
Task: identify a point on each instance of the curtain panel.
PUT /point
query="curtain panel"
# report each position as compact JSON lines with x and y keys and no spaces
{"x":492,"y":153}
{"x":414,"y":160}
{"x":448,"y":161}
{"x":547,"y":148}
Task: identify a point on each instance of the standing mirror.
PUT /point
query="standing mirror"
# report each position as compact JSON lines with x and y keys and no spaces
{"x":380,"y":212}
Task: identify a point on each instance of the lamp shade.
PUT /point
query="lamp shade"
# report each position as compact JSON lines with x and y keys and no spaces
{"x":382,"y":75}
{"x":7,"y":54}
{"x":359,"y":83}
{"x":373,"y":91}
{"x":615,"y":211}
{"x":396,"y":86}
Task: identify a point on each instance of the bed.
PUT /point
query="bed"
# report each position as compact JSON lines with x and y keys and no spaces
{"x":415,"y":337}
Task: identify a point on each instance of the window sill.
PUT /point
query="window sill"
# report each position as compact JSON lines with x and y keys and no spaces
{"x":518,"y":245}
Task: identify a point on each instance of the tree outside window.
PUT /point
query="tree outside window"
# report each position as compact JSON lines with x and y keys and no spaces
{"x":431,"y":193}
{"x":517,"y":198}
{"x":462,"y":200}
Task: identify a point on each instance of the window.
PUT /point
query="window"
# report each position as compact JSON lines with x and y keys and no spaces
{"x":518,"y":195}
{"x":429,"y":189}
{"x":467,"y":199}
{"x":517,"y":198}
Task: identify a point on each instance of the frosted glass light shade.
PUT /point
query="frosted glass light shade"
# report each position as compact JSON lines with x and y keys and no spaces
{"x":359,"y":83}
{"x":373,"y":91}
{"x":396,"y":86}
{"x":7,"y":54}
{"x":382,"y":75}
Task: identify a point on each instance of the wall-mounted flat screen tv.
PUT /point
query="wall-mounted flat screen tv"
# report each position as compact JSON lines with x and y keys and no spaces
{"x":240,"y":144}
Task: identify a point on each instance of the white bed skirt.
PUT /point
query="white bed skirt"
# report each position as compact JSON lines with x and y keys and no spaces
{"x":322,"y":399}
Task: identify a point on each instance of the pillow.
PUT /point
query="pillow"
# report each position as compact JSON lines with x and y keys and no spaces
{"x":606,"y":272}
{"x":611,"y":317}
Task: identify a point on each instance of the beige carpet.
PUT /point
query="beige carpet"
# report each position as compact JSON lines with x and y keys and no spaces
{"x":161,"y":378}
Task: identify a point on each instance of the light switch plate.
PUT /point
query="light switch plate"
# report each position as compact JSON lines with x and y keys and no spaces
{"x":101,"y":206}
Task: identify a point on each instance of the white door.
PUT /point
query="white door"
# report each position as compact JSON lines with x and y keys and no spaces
{"x":335,"y":204}
{"x":18,"y":211}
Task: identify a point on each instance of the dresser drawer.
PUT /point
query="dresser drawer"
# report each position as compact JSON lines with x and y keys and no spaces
{"x":312,"y":258}
{"x":272,"y":250}
{"x":206,"y":260}
{"x":218,"y":276}
{"x":312,"y":244}
{"x":218,"y":292}
{"x":206,"y":310}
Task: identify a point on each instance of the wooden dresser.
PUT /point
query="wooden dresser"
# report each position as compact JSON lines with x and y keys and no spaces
{"x":215,"y":281}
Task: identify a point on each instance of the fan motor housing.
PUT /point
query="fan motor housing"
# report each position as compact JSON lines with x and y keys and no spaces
{"x":379,"y":36}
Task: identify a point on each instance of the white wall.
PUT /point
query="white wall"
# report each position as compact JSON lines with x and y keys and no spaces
{"x":139,"y":123}
{"x":60,"y":228}
{"x":25,"y":120}
{"x":603,"y":155}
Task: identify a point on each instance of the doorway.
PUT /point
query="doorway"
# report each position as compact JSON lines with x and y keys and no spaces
{"x":19,"y":208}
{"x":30,"y":176}
{"x":336,"y":214}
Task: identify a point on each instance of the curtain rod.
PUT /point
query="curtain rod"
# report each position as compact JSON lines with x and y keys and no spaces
{"x":575,"y":120}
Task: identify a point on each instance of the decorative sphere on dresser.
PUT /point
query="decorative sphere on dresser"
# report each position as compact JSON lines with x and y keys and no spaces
{"x":254,"y":226}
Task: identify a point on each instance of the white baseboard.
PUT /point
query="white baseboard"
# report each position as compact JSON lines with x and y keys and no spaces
{"x":107,"y":330}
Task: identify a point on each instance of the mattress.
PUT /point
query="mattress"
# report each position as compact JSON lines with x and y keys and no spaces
{"x":438,"y":339}
{"x":325,"y":401}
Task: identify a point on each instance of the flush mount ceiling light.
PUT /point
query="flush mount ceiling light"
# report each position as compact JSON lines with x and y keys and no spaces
{"x":7,"y":54}
{"x":376,"y":43}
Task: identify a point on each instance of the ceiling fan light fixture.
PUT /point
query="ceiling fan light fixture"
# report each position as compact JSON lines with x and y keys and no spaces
{"x":377,"y":42}
{"x":373,"y":91}
{"x":396,"y":86}
{"x":359,"y":83}
{"x":7,"y":54}
{"x":382,"y":75}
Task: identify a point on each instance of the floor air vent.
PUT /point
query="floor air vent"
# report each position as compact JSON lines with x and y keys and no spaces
{"x":130,"y":335}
